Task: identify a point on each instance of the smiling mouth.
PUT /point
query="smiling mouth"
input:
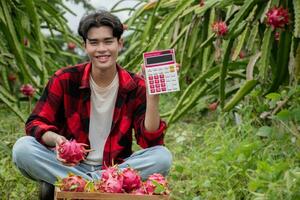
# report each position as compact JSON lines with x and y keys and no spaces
{"x":102,"y":58}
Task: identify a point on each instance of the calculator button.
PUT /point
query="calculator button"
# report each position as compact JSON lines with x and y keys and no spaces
{"x":151,"y":86}
{"x":161,"y":76}
{"x":163,"y":85}
{"x":152,"y":90}
{"x":171,"y":68}
{"x":157,"y":85}
{"x":156,"y":76}
{"x":150,"y":77}
{"x":151,"y":81}
{"x":162,"y":80}
{"x":163,"y":89}
{"x":157,"y":89}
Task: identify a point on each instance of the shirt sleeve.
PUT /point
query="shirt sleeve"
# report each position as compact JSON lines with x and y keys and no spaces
{"x":45,"y":116}
{"x":145,"y":138}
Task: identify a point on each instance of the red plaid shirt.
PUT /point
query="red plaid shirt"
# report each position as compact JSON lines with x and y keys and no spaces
{"x":64,"y":108}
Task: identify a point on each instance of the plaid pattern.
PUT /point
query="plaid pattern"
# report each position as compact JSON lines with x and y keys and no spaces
{"x":64,"y":108}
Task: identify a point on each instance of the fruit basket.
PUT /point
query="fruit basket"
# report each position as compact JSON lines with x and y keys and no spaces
{"x":62,"y":195}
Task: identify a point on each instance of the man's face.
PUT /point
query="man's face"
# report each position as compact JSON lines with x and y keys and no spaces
{"x":102,"y":47}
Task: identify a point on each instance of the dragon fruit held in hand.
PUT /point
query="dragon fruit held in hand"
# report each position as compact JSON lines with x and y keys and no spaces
{"x":132,"y":180}
{"x":72,"y":183}
{"x":72,"y":152}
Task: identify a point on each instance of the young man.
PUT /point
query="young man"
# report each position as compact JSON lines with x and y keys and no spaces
{"x":97,"y":103}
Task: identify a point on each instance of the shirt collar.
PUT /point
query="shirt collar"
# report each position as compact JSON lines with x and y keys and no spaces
{"x":126,"y":82}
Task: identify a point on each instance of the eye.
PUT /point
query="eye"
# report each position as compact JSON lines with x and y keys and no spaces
{"x":93,"y":43}
{"x":108,"y":41}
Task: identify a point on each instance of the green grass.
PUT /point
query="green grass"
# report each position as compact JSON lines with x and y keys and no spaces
{"x":214,"y":158}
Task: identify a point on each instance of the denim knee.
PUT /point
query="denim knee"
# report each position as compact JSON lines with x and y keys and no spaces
{"x":163,"y":158}
{"x":23,"y":150}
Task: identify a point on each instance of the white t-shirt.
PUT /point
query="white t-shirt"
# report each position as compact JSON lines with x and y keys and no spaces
{"x":102,"y":108}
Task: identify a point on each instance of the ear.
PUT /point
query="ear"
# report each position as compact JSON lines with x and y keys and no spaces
{"x":83,"y":43}
{"x":121,"y":43}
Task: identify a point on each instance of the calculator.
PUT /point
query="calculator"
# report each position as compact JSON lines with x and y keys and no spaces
{"x":160,"y":71}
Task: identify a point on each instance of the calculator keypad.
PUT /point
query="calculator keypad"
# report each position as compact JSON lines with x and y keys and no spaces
{"x":162,"y":79}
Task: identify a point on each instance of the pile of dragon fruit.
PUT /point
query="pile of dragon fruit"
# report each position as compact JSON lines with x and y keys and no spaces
{"x":113,"y":179}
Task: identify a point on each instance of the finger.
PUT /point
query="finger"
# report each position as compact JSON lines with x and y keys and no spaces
{"x":177,"y":66}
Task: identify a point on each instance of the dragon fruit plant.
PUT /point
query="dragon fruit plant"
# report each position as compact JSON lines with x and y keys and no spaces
{"x":72,"y":152}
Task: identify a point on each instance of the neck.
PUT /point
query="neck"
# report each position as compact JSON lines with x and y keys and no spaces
{"x":103,"y":77}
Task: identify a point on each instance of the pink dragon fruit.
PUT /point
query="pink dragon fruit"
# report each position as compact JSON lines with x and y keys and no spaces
{"x":110,"y":171}
{"x":111,"y":180}
{"x":27,"y":90}
{"x":277,"y":17}
{"x":72,"y":152}
{"x":131,"y":179}
{"x":220,"y":28}
{"x":156,"y":184}
{"x":141,"y":190}
{"x":113,"y":184}
{"x":72,"y":183}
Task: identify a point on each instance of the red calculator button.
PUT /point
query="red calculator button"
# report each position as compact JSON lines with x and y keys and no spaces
{"x":163,"y":89}
{"x":152,"y":90}
{"x":156,"y":81}
{"x":156,"y":76}
{"x":157,"y":89}
{"x":151,"y":82}
{"x":151,"y":86}
{"x":162,"y":80}
{"x":150,"y":77}
{"x":161,"y":76}
{"x":163,"y":85}
{"x":157,"y":85}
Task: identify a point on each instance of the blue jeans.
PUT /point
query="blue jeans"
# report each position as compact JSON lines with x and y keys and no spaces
{"x":39,"y":163}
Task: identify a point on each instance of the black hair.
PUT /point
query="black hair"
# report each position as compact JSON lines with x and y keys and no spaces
{"x":97,"y":19}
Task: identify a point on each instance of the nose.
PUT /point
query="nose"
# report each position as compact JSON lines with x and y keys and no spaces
{"x":101,"y":47}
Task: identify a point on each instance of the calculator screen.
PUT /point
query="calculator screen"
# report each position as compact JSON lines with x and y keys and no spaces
{"x":159,"y":59}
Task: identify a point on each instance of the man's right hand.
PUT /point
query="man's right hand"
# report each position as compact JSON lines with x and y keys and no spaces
{"x":53,"y":139}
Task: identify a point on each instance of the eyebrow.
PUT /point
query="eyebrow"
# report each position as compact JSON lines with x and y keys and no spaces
{"x":95,"y":40}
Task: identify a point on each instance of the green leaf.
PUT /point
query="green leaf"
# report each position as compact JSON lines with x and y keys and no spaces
{"x":283,"y":115}
{"x":159,"y":188}
{"x":266,"y":52}
{"x":273,"y":96}
{"x":264,"y":131}
{"x":241,"y":93}
{"x":223,"y":72}
{"x":297,"y":18}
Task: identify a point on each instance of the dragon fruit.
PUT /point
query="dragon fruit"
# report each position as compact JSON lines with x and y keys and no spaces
{"x":220,"y":28}
{"x":72,"y":183}
{"x":277,"y":17}
{"x":110,"y":171}
{"x":27,"y":90}
{"x":156,"y":184}
{"x":141,"y":190}
{"x":201,"y":3}
{"x":72,"y":152}
{"x":131,"y":179}
{"x":111,"y":180}
{"x":213,"y":106}
{"x":113,"y":184}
